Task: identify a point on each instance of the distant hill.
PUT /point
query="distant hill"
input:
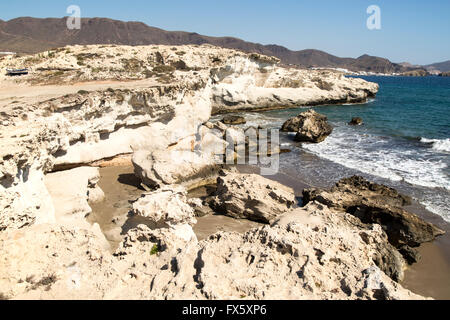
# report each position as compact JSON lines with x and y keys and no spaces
{"x":441,"y":66}
{"x":31,"y":35}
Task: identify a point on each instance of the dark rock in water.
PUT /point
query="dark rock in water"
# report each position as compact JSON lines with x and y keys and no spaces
{"x":234,"y":120}
{"x":310,"y":127}
{"x":356,"y":122}
{"x":377,"y":204}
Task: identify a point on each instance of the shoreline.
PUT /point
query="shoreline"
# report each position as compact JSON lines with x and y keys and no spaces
{"x":427,"y":278}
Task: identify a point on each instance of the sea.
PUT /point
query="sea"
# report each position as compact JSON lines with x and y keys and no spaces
{"x":404,"y":142}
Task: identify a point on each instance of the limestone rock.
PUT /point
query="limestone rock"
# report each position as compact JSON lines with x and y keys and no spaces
{"x":174,"y":167}
{"x":310,"y":126}
{"x":310,"y":253}
{"x":167,"y":205}
{"x":253,"y":197}
{"x":374,"y":203}
{"x":71,"y":190}
{"x":54,"y":262}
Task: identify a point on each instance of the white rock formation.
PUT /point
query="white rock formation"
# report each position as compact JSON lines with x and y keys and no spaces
{"x":71,"y":192}
{"x":48,"y":252}
{"x":67,"y":126}
{"x":168,"y":208}
{"x":250,"y":196}
{"x":310,"y":253}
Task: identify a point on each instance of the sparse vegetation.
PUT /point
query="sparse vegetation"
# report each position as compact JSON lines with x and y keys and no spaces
{"x":163,"y":69}
{"x":322,"y":84}
{"x":82,"y":57}
{"x":180,"y":65}
{"x":33,"y":60}
{"x":291,"y":83}
{"x":148,"y":74}
{"x":47,"y":282}
{"x":155,"y":250}
{"x":132,"y":65}
{"x":80,"y":60}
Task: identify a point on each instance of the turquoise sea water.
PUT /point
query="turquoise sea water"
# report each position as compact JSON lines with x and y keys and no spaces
{"x":405,"y":142}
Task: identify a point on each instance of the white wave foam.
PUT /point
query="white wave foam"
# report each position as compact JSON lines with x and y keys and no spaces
{"x":376,"y":156}
{"x":438,"y":145}
{"x":440,"y":209}
{"x":370,"y":154}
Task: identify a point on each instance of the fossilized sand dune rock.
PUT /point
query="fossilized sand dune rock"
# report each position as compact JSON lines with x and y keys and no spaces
{"x":250,"y":196}
{"x":374,"y":203}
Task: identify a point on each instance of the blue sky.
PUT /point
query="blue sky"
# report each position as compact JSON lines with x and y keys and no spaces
{"x":414,"y":31}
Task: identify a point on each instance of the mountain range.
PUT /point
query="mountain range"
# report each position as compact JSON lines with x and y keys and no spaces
{"x":32,"y":35}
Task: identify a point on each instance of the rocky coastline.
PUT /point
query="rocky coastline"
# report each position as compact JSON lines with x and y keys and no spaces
{"x":84,"y":107}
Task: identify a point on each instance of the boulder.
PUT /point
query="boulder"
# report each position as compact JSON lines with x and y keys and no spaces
{"x":72,"y":190}
{"x":250,"y":196}
{"x":357,"y":121}
{"x":233,"y":120}
{"x":310,"y":126}
{"x":192,"y":162}
{"x":377,"y":204}
{"x":166,"y":167}
{"x":168,"y":207}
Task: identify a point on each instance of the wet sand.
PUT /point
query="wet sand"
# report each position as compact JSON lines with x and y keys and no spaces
{"x":121,"y":188}
{"x":429,"y":277}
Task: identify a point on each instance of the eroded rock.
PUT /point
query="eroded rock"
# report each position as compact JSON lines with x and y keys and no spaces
{"x":71,"y":192}
{"x":168,"y":207}
{"x":253,"y":197}
{"x":377,"y":204}
{"x":310,"y":253}
{"x":310,"y":126}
